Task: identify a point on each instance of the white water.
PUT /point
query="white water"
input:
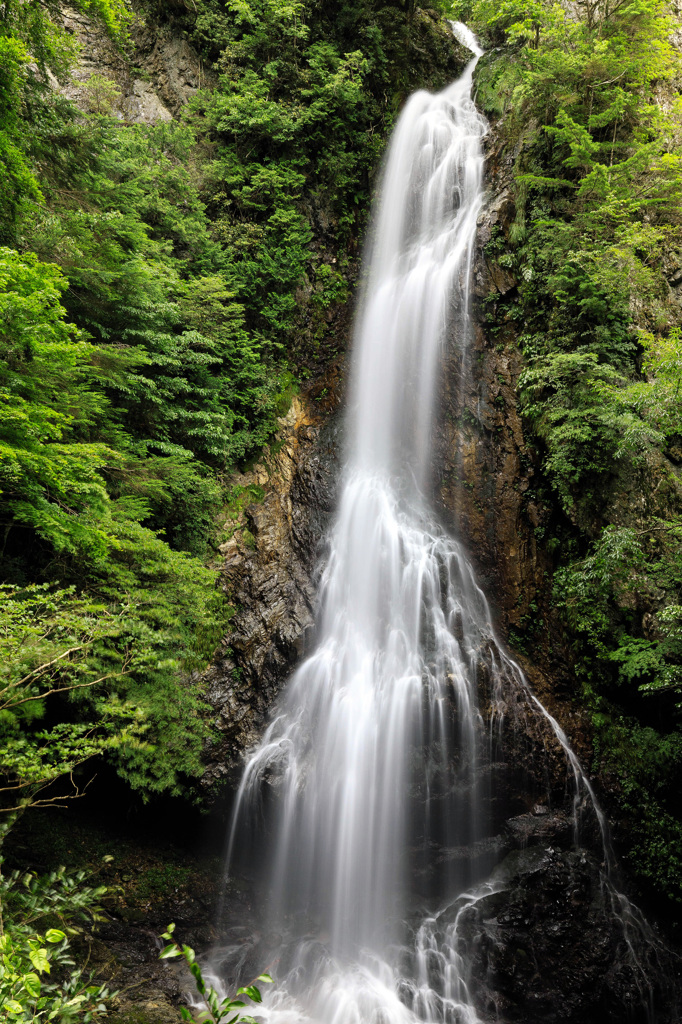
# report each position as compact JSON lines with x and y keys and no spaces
{"x":388,"y":703}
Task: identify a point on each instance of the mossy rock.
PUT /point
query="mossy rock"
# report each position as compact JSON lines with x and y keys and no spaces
{"x":146,"y":1013}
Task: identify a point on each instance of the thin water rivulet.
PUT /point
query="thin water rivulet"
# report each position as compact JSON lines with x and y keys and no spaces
{"x":371,"y":761}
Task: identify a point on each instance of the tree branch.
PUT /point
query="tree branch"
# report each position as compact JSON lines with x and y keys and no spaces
{"x":62,"y":689}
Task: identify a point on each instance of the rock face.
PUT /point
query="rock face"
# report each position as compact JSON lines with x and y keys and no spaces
{"x":548,"y":948}
{"x":165,"y":73}
{"x":271,"y":558}
{"x":486,"y":470}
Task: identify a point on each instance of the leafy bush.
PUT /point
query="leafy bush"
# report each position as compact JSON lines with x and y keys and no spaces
{"x":217,"y":1008}
{"x":39,"y":980}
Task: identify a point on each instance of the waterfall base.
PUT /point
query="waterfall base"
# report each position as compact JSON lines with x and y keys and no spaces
{"x":537,"y":943}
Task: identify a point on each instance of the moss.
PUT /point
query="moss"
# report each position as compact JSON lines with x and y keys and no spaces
{"x":146,"y":1014}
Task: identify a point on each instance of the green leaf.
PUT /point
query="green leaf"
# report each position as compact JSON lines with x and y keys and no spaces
{"x":198,"y":978}
{"x":54,"y":935}
{"x":38,"y":958}
{"x":252,"y":992}
{"x":31,"y":983}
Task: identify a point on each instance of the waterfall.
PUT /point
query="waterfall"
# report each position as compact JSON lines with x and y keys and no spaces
{"x":372,"y":759}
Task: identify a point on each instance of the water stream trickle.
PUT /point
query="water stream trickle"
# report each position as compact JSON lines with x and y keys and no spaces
{"x":388,"y":702}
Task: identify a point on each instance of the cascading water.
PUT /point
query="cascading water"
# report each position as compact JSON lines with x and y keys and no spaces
{"x":388,"y":703}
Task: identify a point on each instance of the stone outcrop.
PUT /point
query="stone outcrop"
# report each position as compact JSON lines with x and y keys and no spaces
{"x":276,"y":527}
{"x":146,"y":84}
{"x":551,"y":945}
{"x":486,"y":469}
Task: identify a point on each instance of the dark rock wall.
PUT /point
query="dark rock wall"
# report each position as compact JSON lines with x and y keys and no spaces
{"x":272,"y":557}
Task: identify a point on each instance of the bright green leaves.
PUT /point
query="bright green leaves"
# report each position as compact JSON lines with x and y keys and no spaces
{"x":53,"y":643}
{"x":655,"y":401}
{"x":160,"y":612}
{"x":524,"y":22}
{"x":120,"y":661}
{"x":187,"y":383}
{"x":38,"y":979}
{"x":591,"y":81}
{"x":36,"y":23}
{"x":632,"y":681}
{"x":39,"y":959}
{"x":580,"y":433}
{"x":47,"y":480}
{"x":114,"y":14}
{"x":244,"y":112}
{"x":18,"y":185}
{"x":287,"y":126}
{"x":630,"y":570}
{"x":217,"y":1009}
{"x":578,"y":140}
{"x":31,"y":314}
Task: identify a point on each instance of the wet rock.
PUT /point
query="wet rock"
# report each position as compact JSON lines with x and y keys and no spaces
{"x":269,"y":574}
{"x":548,"y":948}
{"x":548,"y":829}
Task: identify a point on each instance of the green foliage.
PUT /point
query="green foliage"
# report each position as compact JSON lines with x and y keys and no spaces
{"x":46,"y":481}
{"x":651,"y":407}
{"x":46,"y":643}
{"x":18,"y":185}
{"x":120,"y":660}
{"x":102,"y":94}
{"x":37,"y":24}
{"x":217,"y":1009}
{"x":647,"y":765}
{"x":159,"y":881}
{"x":620,"y":604}
{"x":152,"y":298}
{"x":58,"y":485}
{"x":560,"y":400}
{"x":595,"y":128}
{"x":39,"y":980}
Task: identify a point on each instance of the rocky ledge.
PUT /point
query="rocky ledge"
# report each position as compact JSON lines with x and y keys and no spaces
{"x":275,"y":528}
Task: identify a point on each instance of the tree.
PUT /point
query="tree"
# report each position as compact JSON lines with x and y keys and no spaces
{"x":51,"y":645}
